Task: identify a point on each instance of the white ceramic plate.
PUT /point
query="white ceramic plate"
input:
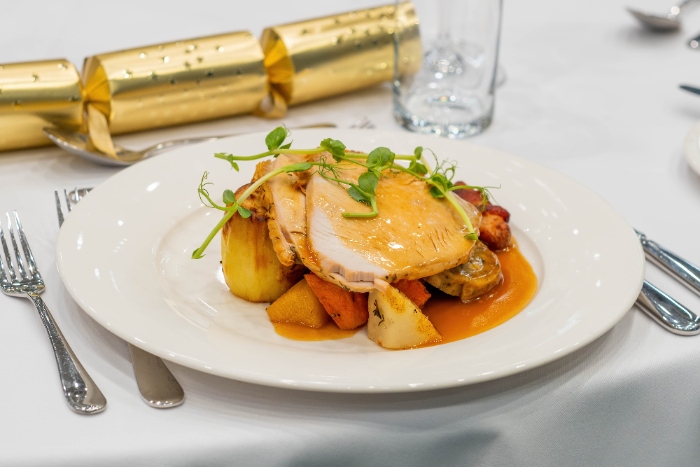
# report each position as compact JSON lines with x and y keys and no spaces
{"x":124,"y":255}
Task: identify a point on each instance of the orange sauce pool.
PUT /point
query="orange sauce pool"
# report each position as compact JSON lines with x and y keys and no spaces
{"x":453,"y":319}
{"x":327,"y":332}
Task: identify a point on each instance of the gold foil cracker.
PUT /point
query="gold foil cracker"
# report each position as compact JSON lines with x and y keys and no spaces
{"x":322,"y":57}
{"x":98,"y":128}
{"x":178,"y":82}
{"x":34,"y":95}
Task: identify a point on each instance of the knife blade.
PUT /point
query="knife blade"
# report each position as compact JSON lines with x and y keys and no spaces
{"x":688,"y":88}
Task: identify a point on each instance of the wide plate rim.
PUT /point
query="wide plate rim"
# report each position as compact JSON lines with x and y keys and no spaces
{"x":75,"y":223}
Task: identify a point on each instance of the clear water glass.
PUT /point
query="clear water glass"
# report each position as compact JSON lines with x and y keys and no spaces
{"x":453,"y":92}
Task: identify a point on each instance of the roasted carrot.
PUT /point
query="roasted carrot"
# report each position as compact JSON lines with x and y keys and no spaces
{"x":347,"y":309}
{"x":414,"y":290}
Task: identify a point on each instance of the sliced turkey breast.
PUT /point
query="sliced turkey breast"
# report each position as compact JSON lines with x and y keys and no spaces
{"x":287,"y":212}
{"x":415,"y":235}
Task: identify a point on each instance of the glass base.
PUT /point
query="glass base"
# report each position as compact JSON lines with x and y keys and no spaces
{"x":451,"y":130}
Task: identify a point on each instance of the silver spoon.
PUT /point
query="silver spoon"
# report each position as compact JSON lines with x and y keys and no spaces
{"x":79,"y":144}
{"x":662,"y":22}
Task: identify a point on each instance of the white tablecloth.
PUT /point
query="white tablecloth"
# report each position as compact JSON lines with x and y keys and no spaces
{"x":588,"y":93}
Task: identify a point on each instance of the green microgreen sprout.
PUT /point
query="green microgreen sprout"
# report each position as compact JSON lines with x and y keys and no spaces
{"x":375,"y":162}
{"x":234,"y":205}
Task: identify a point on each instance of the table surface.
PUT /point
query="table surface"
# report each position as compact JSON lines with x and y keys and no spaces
{"x":588,"y":93}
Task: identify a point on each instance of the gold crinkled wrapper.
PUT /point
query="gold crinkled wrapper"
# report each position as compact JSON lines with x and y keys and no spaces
{"x":322,"y":57}
{"x":34,"y":95}
{"x":207,"y":78}
{"x":178,"y":82}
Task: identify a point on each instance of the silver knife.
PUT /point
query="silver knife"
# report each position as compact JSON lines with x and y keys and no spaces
{"x":688,"y":88}
{"x":666,"y":311}
{"x":694,"y":43}
{"x":682,"y":270}
{"x":157,"y":385}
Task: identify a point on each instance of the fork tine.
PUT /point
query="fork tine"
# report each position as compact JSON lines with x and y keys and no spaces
{"x":8,"y":257}
{"x":31,"y":262}
{"x":359,"y":123}
{"x":59,"y":211}
{"x":77,"y":194}
{"x":20,"y":264}
{"x":6,"y":250}
{"x":366,"y":123}
{"x":65,"y":194}
{"x":71,"y":197}
{"x":3,"y":276}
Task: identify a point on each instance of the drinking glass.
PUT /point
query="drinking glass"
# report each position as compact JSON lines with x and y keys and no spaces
{"x":452,"y":93}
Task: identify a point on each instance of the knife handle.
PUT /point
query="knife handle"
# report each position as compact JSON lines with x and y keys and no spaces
{"x":684,"y":271}
{"x":670,"y":314}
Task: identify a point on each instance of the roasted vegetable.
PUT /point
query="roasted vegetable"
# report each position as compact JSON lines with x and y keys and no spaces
{"x":348,"y":309}
{"x":494,"y":230}
{"x":478,"y":276}
{"x":396,"y":323}
{"x":298,"y":305}
{"x":414,"y":290}
{"x":251,"y":267}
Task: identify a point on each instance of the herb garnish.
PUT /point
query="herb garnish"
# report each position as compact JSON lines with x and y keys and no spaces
{"x":364,"y":191}
{"x":377,"y":313}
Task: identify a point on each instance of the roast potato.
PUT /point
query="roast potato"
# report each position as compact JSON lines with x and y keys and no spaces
{"x":395,"y":322}
{"x":251,"y":267}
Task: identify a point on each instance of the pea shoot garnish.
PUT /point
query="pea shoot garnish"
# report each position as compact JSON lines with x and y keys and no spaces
{"x":376,"y":162}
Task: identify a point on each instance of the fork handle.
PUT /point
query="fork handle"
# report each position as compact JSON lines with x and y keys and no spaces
{"x":81,"y":392}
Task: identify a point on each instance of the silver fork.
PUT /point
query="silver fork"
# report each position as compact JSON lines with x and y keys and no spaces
{"x":157,"y":385}
{"x":363,"y":123}
{"x":18,"y":280}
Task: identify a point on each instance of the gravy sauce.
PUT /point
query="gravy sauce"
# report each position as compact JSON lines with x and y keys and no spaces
{"x":453,"y":319}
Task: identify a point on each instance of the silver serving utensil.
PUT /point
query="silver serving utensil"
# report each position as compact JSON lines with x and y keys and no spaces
{"x":694,"y":43}
{"x":157,"y":385}
{"x":666,"y":311}
{"x":20,"y":277}
{"x":663,"y":22}
{"x":79,"y":144}
{"x":689,"y":88}
{"x":681,"y":269}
